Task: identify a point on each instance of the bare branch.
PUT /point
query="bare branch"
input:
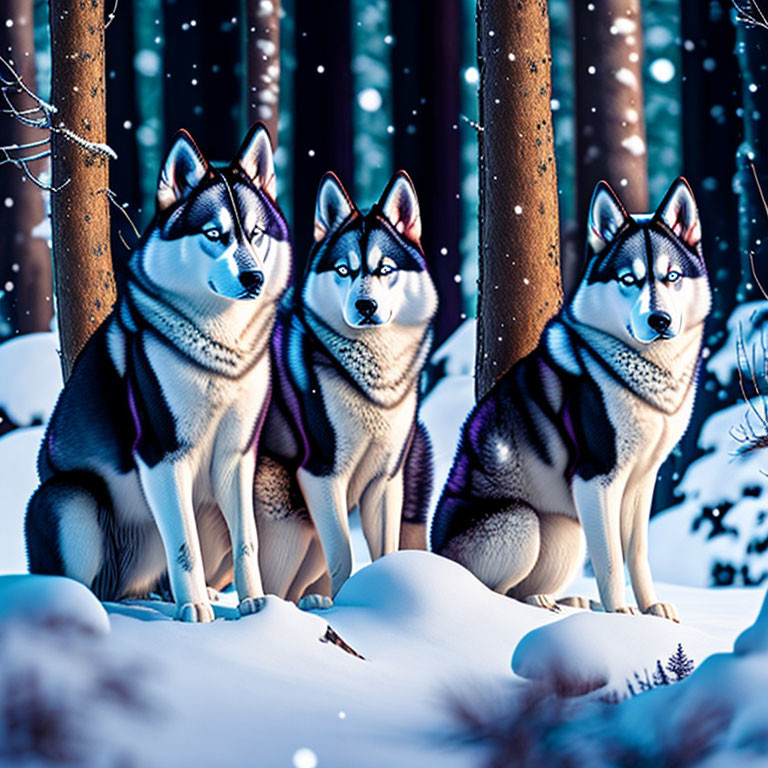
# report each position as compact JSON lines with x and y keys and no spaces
{"x":39,"y":115}
{"x":750,"y":13}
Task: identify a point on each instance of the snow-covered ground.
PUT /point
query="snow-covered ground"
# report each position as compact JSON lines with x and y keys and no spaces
{"x":126,"y":684}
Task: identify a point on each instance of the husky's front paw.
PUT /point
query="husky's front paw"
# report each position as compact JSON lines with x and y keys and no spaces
{"x":251,"y":605}
{"x":665,"y":610}
{"x":315,"y":603}
{"x":632,"y":610}
{"x":195,"y":612}
{"x":575,"y":601}
{"x":543,"y":601}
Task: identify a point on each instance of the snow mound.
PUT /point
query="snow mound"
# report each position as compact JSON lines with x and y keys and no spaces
{"x":31,"y":377}
{"x":52,"y":600}
{"x":443,"y":413}
{"x":589,"y":651}
{"x":447,"y":614}
{"x":18,"y":480}
{"x":754,"y":639}
{"x":456,"y":355}
{"x":724,"y":524}
{"x":746,"y":321}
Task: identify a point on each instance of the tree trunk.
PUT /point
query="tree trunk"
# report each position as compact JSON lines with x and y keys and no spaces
{"x":25,"y":261}
{"x":711,"y":136}
{"x":85,"y":285}
{"x":426,"y":62}
{"x":752,"y":53}
{"x":121,"y":132}
{"x":520,"y":285}
{"x":323,"y":114}
{"x":610,"y":120}
{"x":148,"y":100}
{"x":203,"y":75}
{"x":262,"y":60}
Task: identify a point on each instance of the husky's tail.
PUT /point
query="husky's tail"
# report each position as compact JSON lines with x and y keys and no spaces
{"x":418,"y":478}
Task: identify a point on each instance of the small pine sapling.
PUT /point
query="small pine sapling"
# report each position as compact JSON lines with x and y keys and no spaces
{"x":660,"y":677}
{"x":679,"y":664}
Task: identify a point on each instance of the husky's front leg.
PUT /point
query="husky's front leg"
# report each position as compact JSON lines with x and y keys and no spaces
{"x":381,"y":510}
{"x":167,"y":488}
{"x":599,"y":508}
{"x":635,"y":514}
{"x":234,"y":495}
{"x":326,"y":499}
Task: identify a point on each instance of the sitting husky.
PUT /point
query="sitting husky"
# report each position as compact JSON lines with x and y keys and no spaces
{"x":342,"y":429}
{"x":148,"y":460}
{"x":573,"y":435}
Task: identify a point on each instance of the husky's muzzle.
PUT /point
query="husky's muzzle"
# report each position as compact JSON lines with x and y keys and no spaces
{"x":252,"y":281}
{"x":367,"y":309}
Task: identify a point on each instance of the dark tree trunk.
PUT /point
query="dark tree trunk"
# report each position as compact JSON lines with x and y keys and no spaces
{"x":322,"y":114}
{"x":610,"y":119}
{"x":124,"y":178}
{"x":426,"y":63}
{"x":752,"y":53}
{"x":520,"y":285}
{"x":85,"y":285}
{"x":711,"y":137}
{"x":25,"y":261}
{"x":148,"y":101}
{"x":262,"y":60}
{"x":203,"y":83}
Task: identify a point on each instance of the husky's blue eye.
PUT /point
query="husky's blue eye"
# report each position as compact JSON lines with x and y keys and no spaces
{"x":673,"y":276}
{"x":628,"y":279}
{"x":385,"y":269}
{"x":212,"y":234}
{"x":342,"y":270}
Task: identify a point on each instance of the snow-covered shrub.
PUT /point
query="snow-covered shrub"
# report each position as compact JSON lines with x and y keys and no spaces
{"x":718,"y":535}
{"x":63,"y":700}
{"x":715,"y":716}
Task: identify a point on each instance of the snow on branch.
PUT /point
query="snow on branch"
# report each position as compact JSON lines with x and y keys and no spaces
{"x":750,"y":13}
{"x":753,"y":436}
{"x":40,"y":115}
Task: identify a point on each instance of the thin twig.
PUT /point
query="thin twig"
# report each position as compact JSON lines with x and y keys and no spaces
{"x":39,"y":116}
{"x":750,"y":14}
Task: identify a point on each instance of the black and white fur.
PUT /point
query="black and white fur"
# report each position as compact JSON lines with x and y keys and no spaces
{"x":342,"y":429}
{"x":570,"y":440}
{"x":147,"y":465}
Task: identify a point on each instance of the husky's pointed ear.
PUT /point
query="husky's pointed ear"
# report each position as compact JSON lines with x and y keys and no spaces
{"x":679,"y":212}
{"x":606,"y":215}
{"x":183,"y":169}
{"x":333,"y":205}
{"x":401,"y":206}
{"x":255,"y":158}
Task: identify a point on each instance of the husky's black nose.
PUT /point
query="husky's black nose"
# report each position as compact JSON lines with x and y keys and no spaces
{"x":366,"y":307}
{"x":659,"y":321}
{"x":252,"y":280}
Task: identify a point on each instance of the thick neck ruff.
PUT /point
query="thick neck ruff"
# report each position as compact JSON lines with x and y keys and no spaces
{"x":383,"y":371}
{"x":662,"y":380}
{"x":142,"y":309}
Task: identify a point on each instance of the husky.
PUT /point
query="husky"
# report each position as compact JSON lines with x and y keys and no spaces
{"x":569,"y":441}
{"x":147,"y":464}
{"x":342,"y":429}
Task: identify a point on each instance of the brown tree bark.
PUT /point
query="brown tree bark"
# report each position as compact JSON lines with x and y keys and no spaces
{"x":519,"y":283}
{"x":262,"y":80}
{"x":25,"y":261}
{"x":85,"y":285}
{"x":610,"y":120}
